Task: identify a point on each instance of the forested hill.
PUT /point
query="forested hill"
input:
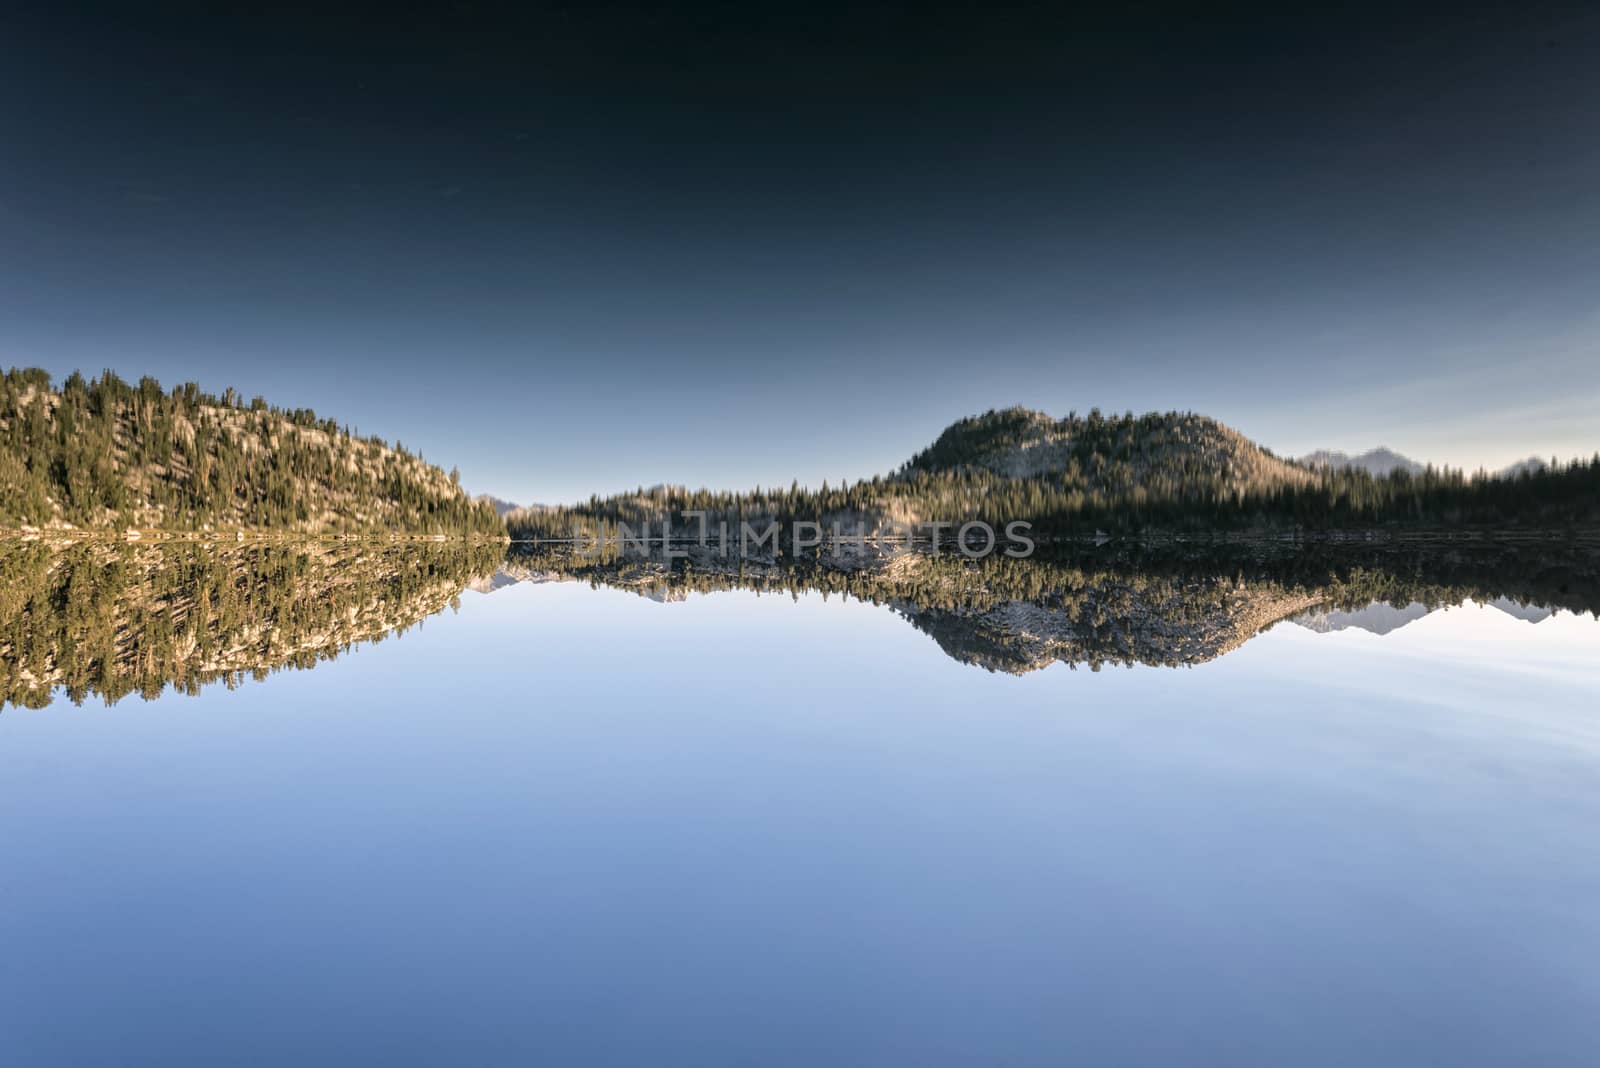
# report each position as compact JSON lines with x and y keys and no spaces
{"x":104,"y":454}
{"x":1168,"y":471}
{"x":1166,"y":453}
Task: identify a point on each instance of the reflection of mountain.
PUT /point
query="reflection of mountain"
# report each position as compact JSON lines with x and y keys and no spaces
{"x":1382,"y":618}
{"x":489,"y":583}
{"x":112,"y":619}
{"x":1376,"y":618}
{"x":1529,"y":612}
{"x":1174,"y":627}
{"x":1087,"y":607}
{"x":1001,"y":614}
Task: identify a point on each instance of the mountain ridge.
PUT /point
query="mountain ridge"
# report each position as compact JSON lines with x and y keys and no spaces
{"x":1383,"y":460}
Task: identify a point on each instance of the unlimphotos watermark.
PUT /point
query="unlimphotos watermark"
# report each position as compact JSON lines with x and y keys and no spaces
{"x":975,"y":539}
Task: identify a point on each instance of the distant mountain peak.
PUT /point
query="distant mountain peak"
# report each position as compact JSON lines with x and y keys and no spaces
{"x":501,"y":507}
{"x":1531,"y":466}
{"x":1383,"y":461}
{"x":1379,"y":461}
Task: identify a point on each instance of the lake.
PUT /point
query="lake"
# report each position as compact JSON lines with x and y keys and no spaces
{"x":426,"y":805}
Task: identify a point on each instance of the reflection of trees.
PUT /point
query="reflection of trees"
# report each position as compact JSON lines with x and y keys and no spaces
{"x":1169,"y":603}
{"x":112,"y":619}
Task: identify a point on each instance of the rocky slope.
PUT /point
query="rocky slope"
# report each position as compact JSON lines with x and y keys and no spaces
{"x":105,"y":454}
{"x":1154,"y":448}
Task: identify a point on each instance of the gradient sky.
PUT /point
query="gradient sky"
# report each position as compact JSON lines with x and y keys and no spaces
{"x":571,"y":253}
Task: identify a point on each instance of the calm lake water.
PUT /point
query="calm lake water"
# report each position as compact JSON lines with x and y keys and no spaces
{"x":651,"y":819}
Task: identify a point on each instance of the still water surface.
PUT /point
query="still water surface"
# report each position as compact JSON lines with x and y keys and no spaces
{"x":563,"y":823}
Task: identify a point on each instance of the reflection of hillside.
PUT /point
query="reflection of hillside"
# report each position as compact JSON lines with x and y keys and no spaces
{"x":1173,"y":628}
{"x":113,"y":619}
{"x":1163,"y":605}
{"x":1001,"y":614}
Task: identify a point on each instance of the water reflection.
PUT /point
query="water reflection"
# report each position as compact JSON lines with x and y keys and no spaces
{"x":1170,"y":604}
{"x":112,"y":619}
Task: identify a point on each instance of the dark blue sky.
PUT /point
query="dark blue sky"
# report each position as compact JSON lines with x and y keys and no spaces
{"x":571,"y":252}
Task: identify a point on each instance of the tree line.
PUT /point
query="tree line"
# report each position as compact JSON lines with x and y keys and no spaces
{"x":104,"y":453}
{"x":1171,"y":471}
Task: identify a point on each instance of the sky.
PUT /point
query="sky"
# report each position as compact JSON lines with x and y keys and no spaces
{"x":573,"y":252}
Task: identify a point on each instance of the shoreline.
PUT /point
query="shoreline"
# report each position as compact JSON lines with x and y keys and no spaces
{"x":240,"y":537}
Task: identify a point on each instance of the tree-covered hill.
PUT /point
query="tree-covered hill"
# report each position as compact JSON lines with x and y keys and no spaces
{"x":1165,"y":471}
{"x":1166,"y":452}
{"x":105,"y":454}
